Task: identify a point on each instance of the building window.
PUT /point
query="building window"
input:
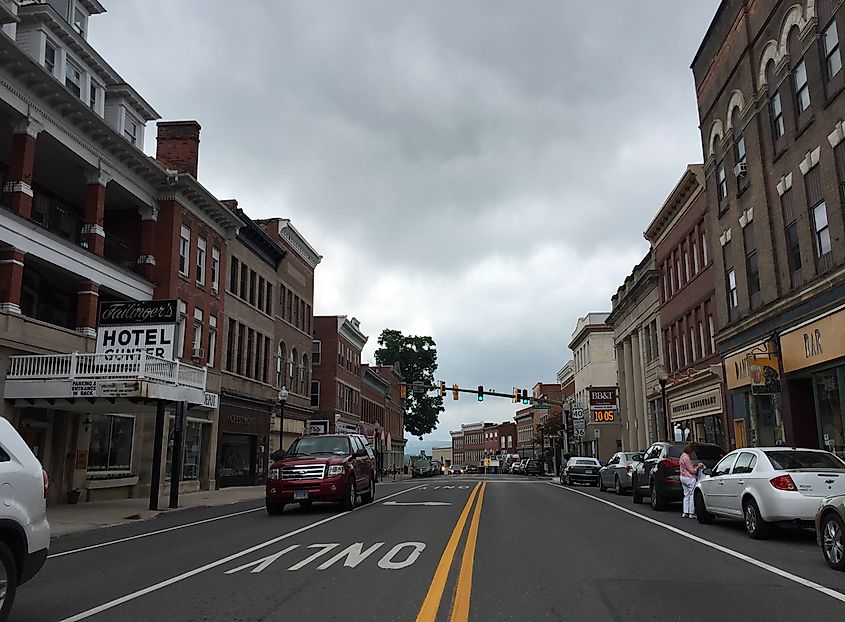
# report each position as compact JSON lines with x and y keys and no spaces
{"x":80,"y":21}
{"x":740,"y":154}
{"x":821,"y":228}
{"x":201,"y":261}
{"x":180,"y":329}
{"x":693,"y":356}
{"x":73,"y":78}
{"x":315,"y":393}
{"x":253,"y":290}
{"x":671,"y":281}
{"x":303,"y":374}
{"x":184,"y":247}
{"x":695,"y":265}
{"x":751,"y":267}
{"x":292,"y":386}
{"x":316,"y":352}
{"x":92,"y":96}
{"x":261,"y":293}
{"x":281,"y":359}
{"x":701,"y":341}
{"x":802,"y":88}
{"x":240,"y":362}
{"x":50,"y":57}
{"x":732,"y":297}
{"x":110,"y":447}
{"x":308,"y":319}
{"x":678,"y":271}
{"x":244,"y":293}
{"x":230,"y":346}
{"x":233,"y":275}
{"x":250,"y":349}
{"x":192,"y":451}
{"x":777,"y":116}
{"x":215,"y":269}
{"x":212,"y":339}
{"x":833,"y":60}
{"x":265,"y":368}
{"x":130,"y":129}
{"x":268,"y":305}
{"x":704,"y":249}
{"x":722,"y":181}
{"x":712,"y":334}
{"x":197,"y":342}
{"x":686,"y":267}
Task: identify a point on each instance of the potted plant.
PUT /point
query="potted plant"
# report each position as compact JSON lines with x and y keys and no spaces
{"x":73,"y":496}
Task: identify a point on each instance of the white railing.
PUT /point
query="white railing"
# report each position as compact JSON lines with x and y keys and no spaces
{"x":140,"y":366}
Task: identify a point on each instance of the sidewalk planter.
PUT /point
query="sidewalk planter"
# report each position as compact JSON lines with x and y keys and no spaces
{"x":73,"y":496}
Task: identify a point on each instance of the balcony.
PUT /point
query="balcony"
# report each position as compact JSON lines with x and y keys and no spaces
{"x":57,"y":217}
{"x":101,"y":379}
{"x":120,"y":252}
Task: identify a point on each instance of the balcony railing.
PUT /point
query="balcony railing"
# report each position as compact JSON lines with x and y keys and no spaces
{"x":120,"y":252}
{"x":57,"y":217}
{"x":76,"y":365}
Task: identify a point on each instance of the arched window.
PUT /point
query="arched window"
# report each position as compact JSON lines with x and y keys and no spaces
{"x":293,"y":386}
{"x":305,"y":372}
{"x":800,"y":84}
{"x":740,"y":154}
{"x":281,"y":359}
{"x":721,"y":176}
{"x":775,"y":107}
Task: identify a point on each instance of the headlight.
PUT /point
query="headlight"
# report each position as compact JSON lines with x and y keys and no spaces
{"x":274,"y":474}
{"x":335,"y":470}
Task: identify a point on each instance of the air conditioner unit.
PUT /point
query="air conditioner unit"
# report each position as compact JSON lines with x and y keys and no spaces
{"x":197,"y":353}
{"x":741,"y":169}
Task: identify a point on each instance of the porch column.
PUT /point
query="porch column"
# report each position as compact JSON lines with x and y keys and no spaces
{"x":11,"y":279}
{"x":21,"y":166}
{"x":95,"y":209}
{"x":631,"y":400}
{"x":147,"y":261}
{"x":86,"y":309}
{"x":639,"y":393}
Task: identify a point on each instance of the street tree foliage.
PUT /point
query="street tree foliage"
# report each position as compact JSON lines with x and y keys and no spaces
{"x":417,"y":358}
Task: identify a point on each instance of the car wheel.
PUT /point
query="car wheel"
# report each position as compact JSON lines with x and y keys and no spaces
{"x":602,"y":487}
{"x":368,"y":496}
{"x":635,"y":491}
{"x":351,"y":496}
{"x":755,"y":526}
{"x":704,"y":517}
{"x":658,"y":503}
{"x":274,"y":508}
{"x":617,"y":486}
{"x":8,"y":580}
{"x":833,"y":541}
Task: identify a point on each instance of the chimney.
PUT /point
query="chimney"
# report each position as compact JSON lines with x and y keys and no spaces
{"x":178,"y":145}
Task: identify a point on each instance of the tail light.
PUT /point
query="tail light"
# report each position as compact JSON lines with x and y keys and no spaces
{"x":630,"y":468}
{"x":783,"y":482}
{"x":46,"y":480}
{"x":669,"y":463}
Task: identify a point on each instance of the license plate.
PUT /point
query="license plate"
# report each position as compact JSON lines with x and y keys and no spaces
{"x":588,"y":471}
{"x":300,"y":494}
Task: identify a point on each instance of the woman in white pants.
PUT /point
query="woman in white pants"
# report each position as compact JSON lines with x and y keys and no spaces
{"x":689,"y":476}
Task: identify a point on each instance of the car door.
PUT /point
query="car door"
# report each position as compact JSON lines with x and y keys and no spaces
{"x":649,"y":462}
{"x":736,"y":482}
{"x":357,"y":468}
{"x":713,"y":488}
{"x":606,"y":472}
{"x":369,"y":462}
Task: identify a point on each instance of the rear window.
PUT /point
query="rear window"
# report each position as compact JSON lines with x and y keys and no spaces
{"x":586,"y":462}
{"x":675,"y":451}
{"x":785,"y":460}
{"x":636,"y":456}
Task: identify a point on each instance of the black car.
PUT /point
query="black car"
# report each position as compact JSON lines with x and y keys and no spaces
{"x":658,"y":476}
{"x":532,"y":467}
{"x":422,"y":468}
{"x":471,"y":469}
{"x":581,"y":471}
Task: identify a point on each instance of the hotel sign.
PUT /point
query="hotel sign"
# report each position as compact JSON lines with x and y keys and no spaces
{"x":129,"y":328}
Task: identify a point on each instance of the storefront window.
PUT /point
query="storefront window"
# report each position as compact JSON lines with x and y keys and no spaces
{"x":110,"y":448}
{"x":191,"y":454}
{"x":830,"y":412}
{"x":237,"y":455}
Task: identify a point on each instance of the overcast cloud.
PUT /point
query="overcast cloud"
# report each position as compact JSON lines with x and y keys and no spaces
{"x":481,"y":173}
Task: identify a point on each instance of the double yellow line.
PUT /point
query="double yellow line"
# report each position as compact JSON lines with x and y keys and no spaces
{"x":460,"y":606}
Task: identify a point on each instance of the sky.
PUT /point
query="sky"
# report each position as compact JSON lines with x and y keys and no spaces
{"x":480,"y":172}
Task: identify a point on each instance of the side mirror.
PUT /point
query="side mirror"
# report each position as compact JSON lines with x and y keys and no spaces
{"x":277,"y":455}
{"x":708,"y":471}
{"x":361,"y":453}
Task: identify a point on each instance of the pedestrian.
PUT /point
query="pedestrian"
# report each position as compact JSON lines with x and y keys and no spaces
{"x":689,"y":476}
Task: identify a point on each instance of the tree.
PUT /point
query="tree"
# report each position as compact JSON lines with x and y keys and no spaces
{"x":417,"y":358}
{"x":549,"y":429}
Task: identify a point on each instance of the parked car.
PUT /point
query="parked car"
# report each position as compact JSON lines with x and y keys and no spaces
{"x":422,"y":468}
{"x":830,"y":531}
{"x":25,"y":537}
{"x":471,"y":469}
{"x":455,"y":469}
{"x":658,"y":476}
{"x":437,"y":467}
{"x":325,"y":467}
{"x":765,"y":485}
{"x":533,"y":467}
{"x":581,"y":470}
{"x":516,"y":468}
{"x":617,"y":472}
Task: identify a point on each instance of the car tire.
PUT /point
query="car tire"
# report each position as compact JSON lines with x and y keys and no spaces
{"x":833,"y":541}
{"x":305,"y":505}
{"x":658,"y":503}
{"x":704,"y":517}
{"x":617,"y":486}
{"x":348,"y":502}
{"x":602,"y":487}
{"x":635,"y":491}
{"x":368,"y":496}
{"x":10,"y":569}
{"x":755,"y":526}
{"x":274,"y":508}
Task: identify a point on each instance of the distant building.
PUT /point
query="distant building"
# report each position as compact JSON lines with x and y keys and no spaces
{"x":457,"y":446}
{"x":443,"y":455}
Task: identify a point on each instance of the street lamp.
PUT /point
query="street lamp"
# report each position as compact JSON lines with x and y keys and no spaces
{"x":663,"y":378}
{"x":283,"y":398}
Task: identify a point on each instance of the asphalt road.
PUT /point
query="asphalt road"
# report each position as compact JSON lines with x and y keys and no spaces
{"x":448,"y":548}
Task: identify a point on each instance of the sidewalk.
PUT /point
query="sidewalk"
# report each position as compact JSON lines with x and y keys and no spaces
{"x":68,"y":519}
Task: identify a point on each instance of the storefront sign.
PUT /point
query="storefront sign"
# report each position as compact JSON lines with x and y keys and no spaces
{"x":736,"y":365}
{"x":242,"y":420}
{"x":764,"y":375}
{"x":818,"y":342}
{"x":211,"y":400}
{"x":604,"y":416}
{"x":117,"y":388}
{"x":343,"y":427}
{"x":698,"y":404}
{"x":83,"y":388}
{"x":134,"y":327}
{"x":317,"y":426}
{"x":81,"y":459}
{"x":603,"y":398}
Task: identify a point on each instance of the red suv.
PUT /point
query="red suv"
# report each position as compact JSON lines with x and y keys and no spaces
{"x":325,"y":467}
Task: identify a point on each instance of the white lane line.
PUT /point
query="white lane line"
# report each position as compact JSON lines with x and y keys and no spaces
{"x":225,"y":560}
{"x":151,"y":533}
{"x":741,"y":556}
{"x":416,"y":503}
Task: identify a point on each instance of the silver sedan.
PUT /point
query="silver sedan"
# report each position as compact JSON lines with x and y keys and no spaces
{"x":765,"y":485}
{"x":617,"y":472}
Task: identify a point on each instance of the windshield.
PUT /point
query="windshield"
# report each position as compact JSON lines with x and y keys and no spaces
{"x":586,"y":462}
{"x":314,"y":445}
{"x":421,"y":463}
{"x":785,"y":460}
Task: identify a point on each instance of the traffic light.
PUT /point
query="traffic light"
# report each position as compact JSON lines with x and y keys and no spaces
{"x":515,"y":395}
{"x":454,"y":391}
{"x":403,"y":390}
{"x":525,"y":396}
{"x":442,"y":389}
{"x":480,"y":393}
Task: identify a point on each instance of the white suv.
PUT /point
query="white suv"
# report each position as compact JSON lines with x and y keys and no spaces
{"x":24,"y":531}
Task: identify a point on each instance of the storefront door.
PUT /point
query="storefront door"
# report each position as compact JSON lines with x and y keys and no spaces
{"x":238,"y":460}
{"x":828,"y":387}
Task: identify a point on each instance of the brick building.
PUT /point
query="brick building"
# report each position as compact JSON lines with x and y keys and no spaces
{"x":473,"y":443}
{"x":457,"y":447}
{"x":491,"y":440}
{"x":374,"y":394}
{"x":506,"y":433}
{"x":394,"y":428}
{"x":524,"y":422}
{"x":686,"y":290}
{"x":338,"y":375}
{"x":88,"y":218}
{"x":769,"y":81}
